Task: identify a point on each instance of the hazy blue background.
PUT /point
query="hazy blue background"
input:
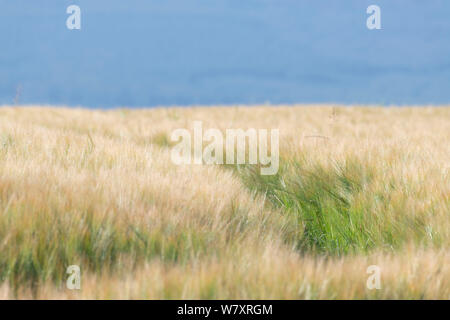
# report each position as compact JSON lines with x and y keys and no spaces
{"x":184,"y":52}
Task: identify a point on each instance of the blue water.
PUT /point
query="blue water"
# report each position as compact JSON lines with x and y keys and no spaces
{"x":185,"y":52}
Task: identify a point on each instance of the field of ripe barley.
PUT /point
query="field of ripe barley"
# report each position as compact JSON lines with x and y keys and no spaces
{"x":357,"y":186}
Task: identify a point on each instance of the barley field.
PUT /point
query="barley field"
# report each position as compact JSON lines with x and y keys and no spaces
{"x":357,"y":186}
